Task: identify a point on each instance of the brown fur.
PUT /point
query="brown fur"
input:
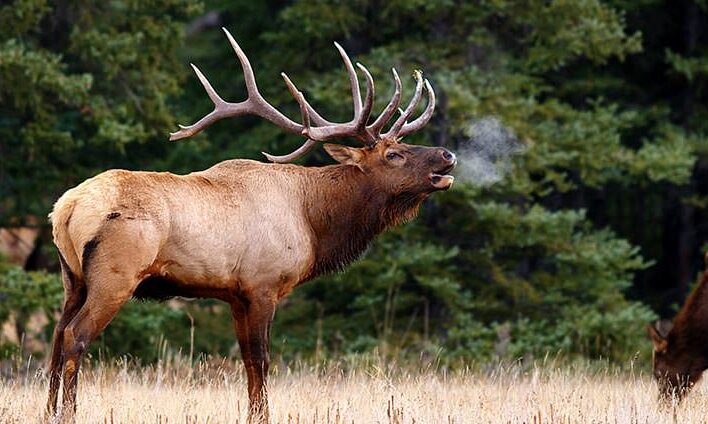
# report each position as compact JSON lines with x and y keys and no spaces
{"x":242,"y":231}
{"x":681,"y":348}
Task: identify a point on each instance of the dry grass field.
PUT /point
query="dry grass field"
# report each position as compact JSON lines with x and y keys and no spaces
{"x":215,"y":393}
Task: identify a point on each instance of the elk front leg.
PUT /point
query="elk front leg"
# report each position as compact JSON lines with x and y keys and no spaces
{"x":252,"y":320}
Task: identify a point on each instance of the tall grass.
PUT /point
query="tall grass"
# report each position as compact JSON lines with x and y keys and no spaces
{"x":354,"y":390}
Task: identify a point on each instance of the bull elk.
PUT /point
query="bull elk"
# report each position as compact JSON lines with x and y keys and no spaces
{"x":242,"y":231}
{"x":680,"y":352}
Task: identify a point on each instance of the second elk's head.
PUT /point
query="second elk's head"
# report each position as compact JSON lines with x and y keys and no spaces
{"x":401,"y":168}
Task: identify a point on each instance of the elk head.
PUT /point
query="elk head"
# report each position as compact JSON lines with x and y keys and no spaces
{"x":675,"y":367}
{"x":398,"y":167}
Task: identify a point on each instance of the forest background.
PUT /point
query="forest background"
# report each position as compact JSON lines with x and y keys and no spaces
{"x":593,"y":228}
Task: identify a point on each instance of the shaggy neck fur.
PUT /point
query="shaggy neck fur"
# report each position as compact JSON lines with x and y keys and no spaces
{"x":347,"y":211}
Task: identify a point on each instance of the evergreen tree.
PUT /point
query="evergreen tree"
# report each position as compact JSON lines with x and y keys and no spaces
{"x":79,"y":83}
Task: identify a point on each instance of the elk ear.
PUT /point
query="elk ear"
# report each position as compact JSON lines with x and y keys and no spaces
{"x":657,"y":333}
{"x":345,"y":155}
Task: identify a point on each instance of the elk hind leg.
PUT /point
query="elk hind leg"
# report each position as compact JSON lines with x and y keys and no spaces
{"x":74,"y":297}
{"x":107,"y":290}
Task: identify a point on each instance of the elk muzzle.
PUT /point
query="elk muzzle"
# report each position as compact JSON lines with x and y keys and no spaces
{"x":440,"y":178}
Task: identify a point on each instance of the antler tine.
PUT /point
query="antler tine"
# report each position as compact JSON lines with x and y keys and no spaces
{"x":316,"y":117}
{"x":300,"y":101}
{"x":300,"y":151}
{"x":248,"y":75}
{"x":213,"y":116}
{"x":261,"y":106}
{"x":389,"y":110}
{"x":305,"y":110}
{"x":353,"y":80}
{"x":423,"y":119}
{"x":213,"y":95}
{"x":396,"y":127}
{"x":365,"y":112}
{"x":313,"y":115}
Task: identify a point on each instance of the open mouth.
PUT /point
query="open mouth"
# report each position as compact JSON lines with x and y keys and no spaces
{"x":440,"y":178}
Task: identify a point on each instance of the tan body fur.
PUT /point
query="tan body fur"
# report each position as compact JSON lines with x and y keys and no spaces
{"x":228,"y":229}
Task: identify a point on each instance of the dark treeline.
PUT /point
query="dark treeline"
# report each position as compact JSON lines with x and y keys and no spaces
{"x":597,"y":228}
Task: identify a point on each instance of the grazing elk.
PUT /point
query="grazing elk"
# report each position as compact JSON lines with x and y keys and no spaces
{"x":681,"y":347}
{"x":242,"y":231}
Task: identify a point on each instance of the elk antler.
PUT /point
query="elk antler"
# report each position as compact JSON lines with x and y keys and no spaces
{"x":325,"y":130}
{"x":401,"y":128}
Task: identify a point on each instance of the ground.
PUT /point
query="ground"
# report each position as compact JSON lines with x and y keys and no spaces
{"x":213,"y":394}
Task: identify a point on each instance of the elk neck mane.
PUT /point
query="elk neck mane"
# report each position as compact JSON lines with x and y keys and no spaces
{"x":347,"y":209}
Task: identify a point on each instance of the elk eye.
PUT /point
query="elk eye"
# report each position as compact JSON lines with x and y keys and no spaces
{"x":393,"y":156}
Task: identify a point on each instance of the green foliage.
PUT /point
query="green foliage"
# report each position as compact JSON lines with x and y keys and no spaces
{"x":563,"y":31}
{"x":690,"y":68}
{"x":139,"y":331}
{"x":23,"y":293}
{"x":79,"y":82}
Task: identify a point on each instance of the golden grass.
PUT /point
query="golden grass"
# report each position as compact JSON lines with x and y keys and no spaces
{"x":217,"y":394}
